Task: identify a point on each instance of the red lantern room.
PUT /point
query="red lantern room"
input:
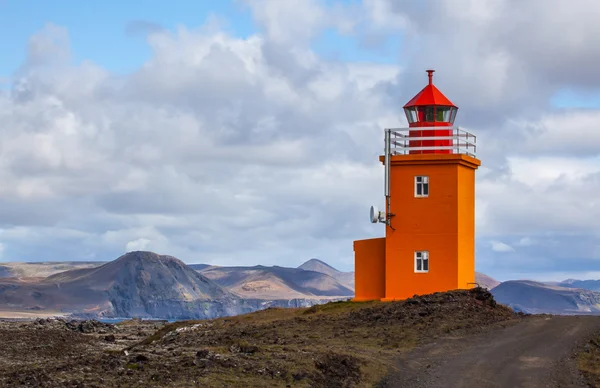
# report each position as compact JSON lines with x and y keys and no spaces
{"x":428,"y":112}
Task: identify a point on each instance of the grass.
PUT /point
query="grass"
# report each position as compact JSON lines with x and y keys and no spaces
{"x":336,"y":344}
{"x":588,"y":362}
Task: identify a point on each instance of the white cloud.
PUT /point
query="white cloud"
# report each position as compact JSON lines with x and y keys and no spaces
{"x":543,"y":172}
{"x":246,"y":151}
{"x":379,"y":13}
{"x":499,"y":246}
{"x":289,"y":22}
{"x":141,"y":244}
{"x":526,"y":241}
{"x":233,"y":158}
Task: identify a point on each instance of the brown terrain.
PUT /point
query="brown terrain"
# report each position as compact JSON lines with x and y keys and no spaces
{"x":149,"y":285}
{"x":346,"y":278}
{"x":460,"y":338}
{"x":335,"y":344}
{"x":276,"y":282}
{"x":42,"y":269}
{"x":141,"y":284}
{"x":145,"y":284}
{"x":39,"y":270}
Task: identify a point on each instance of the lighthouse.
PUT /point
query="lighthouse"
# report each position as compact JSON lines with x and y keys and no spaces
{"x":429,"y":212}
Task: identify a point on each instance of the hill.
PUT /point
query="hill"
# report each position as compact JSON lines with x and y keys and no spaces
{"x":416,"y":342}
{"x":144,"y":284}
{"x":346,"y":278}
{"x":136,"y":284}
{"x":535,"y":297}
{"x":319,"y":266}
{"x":43,"y":269}
{"x":339,"y":344}
{"x":486,"y":281}
{"x":199,"y":267}
{"x":592,"y":285}
{"x":276,"y":282}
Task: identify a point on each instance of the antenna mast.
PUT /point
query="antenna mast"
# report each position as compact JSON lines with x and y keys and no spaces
{"x":387,"y":156}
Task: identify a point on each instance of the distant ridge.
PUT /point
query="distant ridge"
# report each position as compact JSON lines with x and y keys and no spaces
{"x":131,"y":272}
{"x":276,"y":282}
{"x":486,"y":281}
{"x":199,"y":267}
{"x":139,"y":283}
{"x":42,"y":269}
{"x":319,"y":266}
{"x":346,"y":278}
{"x":592,"y":285}
{"x":146,"y":284}
{"x":536,"y":297}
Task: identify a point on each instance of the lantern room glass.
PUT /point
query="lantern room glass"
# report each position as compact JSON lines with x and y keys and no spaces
{"x":431,"y":113}
{"x":411,"y":114}
{"x":442,"y":114}
{"x":453,"y":114}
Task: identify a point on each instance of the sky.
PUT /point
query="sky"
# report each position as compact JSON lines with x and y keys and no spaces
{"x":248,"y":132}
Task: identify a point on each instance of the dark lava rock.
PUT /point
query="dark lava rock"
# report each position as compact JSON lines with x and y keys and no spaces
{"x":203,"y":353}
{"x":337,"y":370}
{"x":141,"y":358}
{"x":243,"y":348}
{"x":90,"y":326}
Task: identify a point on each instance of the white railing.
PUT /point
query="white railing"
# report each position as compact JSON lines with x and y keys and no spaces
{"x":398,"y":142}
{"x":402,"y":143}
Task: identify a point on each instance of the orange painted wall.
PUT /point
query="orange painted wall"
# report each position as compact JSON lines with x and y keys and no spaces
{"x":369,"y":269}
{"x":466,"y":227}
{"x":435,"y":223}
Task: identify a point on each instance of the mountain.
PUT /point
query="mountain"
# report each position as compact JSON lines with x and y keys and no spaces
{"x":144,"y":284}
{"x":199,"y":267}
{"x":276,"y":282}
{"x":592,"y":285}
{"x":319,"y":266}
{"x":535,"y":297}
{"x":136,"y":284}
{"x":346,"y":278}
{"x":43,"y":269}
{"x":486,"y":281}
{"x":6,"y":272}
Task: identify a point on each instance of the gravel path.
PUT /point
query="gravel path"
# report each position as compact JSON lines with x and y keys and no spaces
{"x":537,"y":352}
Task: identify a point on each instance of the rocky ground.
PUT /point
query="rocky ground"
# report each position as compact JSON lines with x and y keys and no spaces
{"x":538,"y":352}
{"x":62,"y":353}
{"x":340,"y":344}
{"x":588,"y":361}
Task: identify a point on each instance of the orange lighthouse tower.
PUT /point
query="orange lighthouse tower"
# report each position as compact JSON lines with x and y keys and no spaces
{"x":429,"y":215}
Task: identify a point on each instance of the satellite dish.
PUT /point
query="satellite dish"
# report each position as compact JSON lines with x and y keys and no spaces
{"x":376,"y":215}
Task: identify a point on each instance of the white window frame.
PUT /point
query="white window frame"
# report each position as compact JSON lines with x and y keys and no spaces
{"x":422,"y":256}
{"x":423,"y":183}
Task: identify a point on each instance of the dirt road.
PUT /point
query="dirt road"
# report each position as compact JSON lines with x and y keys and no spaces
{"x":537,"y":352}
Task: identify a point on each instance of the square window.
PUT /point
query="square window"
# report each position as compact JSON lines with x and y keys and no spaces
{"x":422,"y":261}
{"x":421,"y":186}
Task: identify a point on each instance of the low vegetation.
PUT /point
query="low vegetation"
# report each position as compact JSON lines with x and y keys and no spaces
{"x":339,"y":344}
{"x":589,"y":362}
